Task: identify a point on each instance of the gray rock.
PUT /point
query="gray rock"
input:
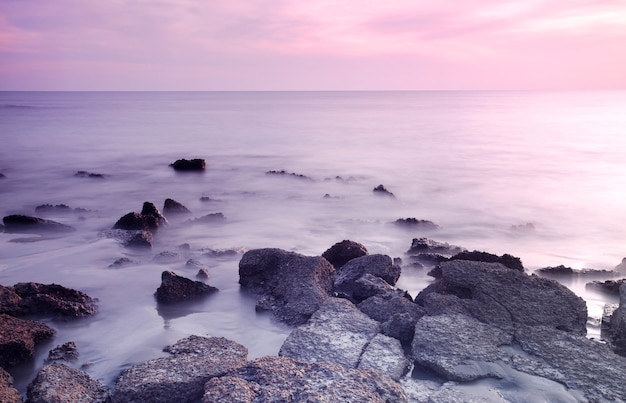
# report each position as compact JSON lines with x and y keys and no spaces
{"x":175,"y":288}
{"x":281,"y":379}
{"x":352,"y":283}
{"x":385,"y":354}
{"x":617,"y":330}
{"x":22,"y":224}
{"x":338,"y":332}
{"x":344,"y":251}
{"x":58,"y":383}
{"x":607,"y":286}
{"x":64,"y":352}
{"x":171,"y":208}
{"x":507,"y":260}
{"x":181,"y":376}
{"x":8,"y":394}
{"x":140,"y":240}
{"x":396,"y":313}
{"x":18,"y":338}
{"x":292,"y":286}
{"x":497,"y":295}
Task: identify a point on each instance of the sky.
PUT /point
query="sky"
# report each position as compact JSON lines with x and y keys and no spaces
{"x":213,"y":45}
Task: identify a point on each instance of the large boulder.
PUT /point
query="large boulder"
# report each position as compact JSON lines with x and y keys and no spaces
{"x":292,"y":286}
{"x":34,"y":225}
{"x":56,"y":383}
{"x":149,"y":219}
{"x":344,"y":251}
{"x":8,"y":394}
{"x":18,"y":338}
{"x":495,"y":294}
{"x":175,"y":288}
{"x":360,"y":278}
{"x":53,"y":299}
{"x":181,"y":376}
{"x":281,"y":379}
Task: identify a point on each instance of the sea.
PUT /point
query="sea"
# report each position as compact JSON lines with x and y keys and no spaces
{"x":538,"y":175}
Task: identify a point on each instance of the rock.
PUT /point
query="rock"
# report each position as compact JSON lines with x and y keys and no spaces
{"x":385,"y":354}
{"x":608,"y":286}
{"x":137,"y":222}
{"x":175,"y":288}
{"x":53,"y":209}
{"x":396,"y":313}
{"x":338,"y":332}
{"x":203,"y":274}
{"x":149,"y":209}
{"x":140,"y":240}
{"x":225,"y":253}
{"x":622,"y":266}
{"x":56,"y":383}
{"x":293,"y":286}
{"x":196,"y":164}
{"x":506,"y":260}
{"x":121,"y":262}
{"x":181,"y":376}
{"x":563,"y":271}
{"x":617,"y":330}
{"x":352,"y":283}
{"x":341,"y":252}
{"x":425,"y":245}
{"x":290,"y":174}
{"x":281,"y":379}
{"x":18,"y":338}
{"x":33,"y":225}
{"x":9,"y":301}
{"x":414,"y":223}
{"x":495,"y":294}
{"x":556,"y":271}
{"x":8,"y":394}
{"x":363,"y":287}
{"x":64,"y":352}
{"x":85,"y":174}
{"x":53,"y":299}
{"x":381,"y":190}
{"x":208,"y":219}
{"x":172,"y":207}
{"x":167,"y":257}
{"x":2,"y":176}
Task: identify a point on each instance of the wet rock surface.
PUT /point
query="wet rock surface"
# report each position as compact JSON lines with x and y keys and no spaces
{"x":281,"y":379}
{"x":60,"y":383}
{"x":292,"y":286}
{"x":149,"y":219}
{"x":344,"y":251}
{"x":52,"y":299}
{"x":8,"y":394}
{"x":23,"y":224}
{"x":396,"y":313}
{"x":64,"y":352}
{"x":18,"y":338}
{"x":175,"y":288}
{"x":172,"y":208}
{"x":414,"y":223}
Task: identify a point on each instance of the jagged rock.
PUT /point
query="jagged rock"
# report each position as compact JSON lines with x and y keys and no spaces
{"x":149,"y":209}
{"x":121,"y":262}
{"x":175,"y":288}
{"x":507,"y":260}
{"x":196,"y":164}
{"x":338,"y":332}
{"x":53,"y":299}
{"x":608,"y":286}
{"x":181,"y":376}
{"x":498,"y":295}
{"x":281,"y":379}
{"x":425,"y":245}
{"x":140,"y":240}
{"x":53,"y":209}
{"x":167,"y":257}
{"x":293,"y":286}
{"x":172,"y":207}
{"x":56,"y":383}
{"x":290,"y":174}
{"x":64,"y":352}
{"x":137,"y":222}
{"x":396,"y":313}
{"x":33,"y":225}
{"x":556,"y":271}
{"x":381,"y":190}
{"x":203,"y":274}
{"x":350,"y":281}
{"x":344,"y":251}
{"x":8,"y":394}
{"x":414,"y":223}
{"x":18,"y":338}
{"x":224,"y":253}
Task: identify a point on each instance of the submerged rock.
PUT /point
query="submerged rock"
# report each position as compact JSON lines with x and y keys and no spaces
{"x":179,"y":377}
{"x":175,"y":288}
{"x":196,"y":164}
{"x":290,"y":174}
{"x":208,"y":219}
{"x":414,"y":223}
{"x":281,"y":379}
{"x":172,"y":207}
{"x":381,"y":190}
{"x":85,"y":174}
{"x":608,"y":286}
{"x":140,"y":240}
{"x":60,"y":383}
{"x":18,"y":338}
{"x":149,"y":219}
{"x":23,"y":224}
{"x":292,"y":286}
{"x":344,"y":251}
{"x":8,"y":394}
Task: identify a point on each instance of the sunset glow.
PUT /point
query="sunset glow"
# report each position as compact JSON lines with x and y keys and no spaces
{"x":312,"y":45}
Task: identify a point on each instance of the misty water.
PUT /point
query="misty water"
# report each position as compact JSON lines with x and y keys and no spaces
{"x":481,"y":165}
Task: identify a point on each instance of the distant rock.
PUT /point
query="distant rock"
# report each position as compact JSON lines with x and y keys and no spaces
{"x":224,"y":253}
{"x":85,"y":174}
{"x":167,"y":257}
{"x":608,"y":286}
{"x":622,"y":266}
{"x":121,"y":262}
{"x":414,"y":223}
{"x":181,"y":376}
{"x":189,"y":165}
{"x":555,"y":271}
{"x":292,"y":286}
{"x":290,"y":174}
{"x":506,"y":260}
{"x":64,"y":352}
{"x":381,"y":190}
{"x":18,"y":338}
{"x":425,"y":245}
{"x":356,"y":280}
{"x":149,"y":219}
{"x":616,"y":333}
{"x":33,"y":225}
{"x":175,"y":288}
{"x":149,"y":209}
{"x":60,"y":383}
{"x":53,"y":209}
{"x":172,"y":207}
{"x":208,"y":219}
{"x":8,"y":394}
{"x":563,"y":271}
{"x":282,"y":379}
{"x":206,"y":199}
{"x":341,"y":252}
{"x":2,"y":176}
{"x":53,"y":299}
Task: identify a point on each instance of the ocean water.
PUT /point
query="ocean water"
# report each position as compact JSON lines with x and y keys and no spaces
{"x":481,"y":165}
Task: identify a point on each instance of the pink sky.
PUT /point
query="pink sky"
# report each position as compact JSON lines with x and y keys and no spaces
{"x":312,"y":44}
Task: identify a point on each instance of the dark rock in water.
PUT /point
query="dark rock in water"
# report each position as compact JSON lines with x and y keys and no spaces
{"x":181,"y":376}
{"x":53,"y":209}
{"x":149,"y":209}
{"x":414,"y":223}
{"x":172,"y":207}
{"x":381,"y":190}
{"x":167,"y":257}
{"x":563,"y":271}
{"x":427,"y":259}
{"x":208,"y":219}
{"x":291,"y":174}
{"x":18,"y":338}
{"x":196,"y":164}
{"x":9,"y":301}
{"x":556,"y":271}
{"x":622,"y":266}
{"x":616,"y":334}
{"x":64,"y":352}
{"x":33,"y":225}
{"x":8,"y":394}
{"x":85,"y":174}
{"x":2,"y":176}
{"x":140,"y":240}
{"x":206,"y":199}
{"x":121,"y":262}
{"x":281,"y":379}
{"x":137,"y":222}
{"x":397,"y":314}
{"x":429,"y":247}
{"x":608,"y":286}
{"x":224,"y":253}
{"x":350,"y":281}
{"x":506,"y":260}
{"x":495,"y":294}
{"x":341,"y":252}
{"x":60,"y":383}
{"x":53,"y":299}
{"x":175,"y":288}
{"x":203,"y":274}
{"x":293,"y":286}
